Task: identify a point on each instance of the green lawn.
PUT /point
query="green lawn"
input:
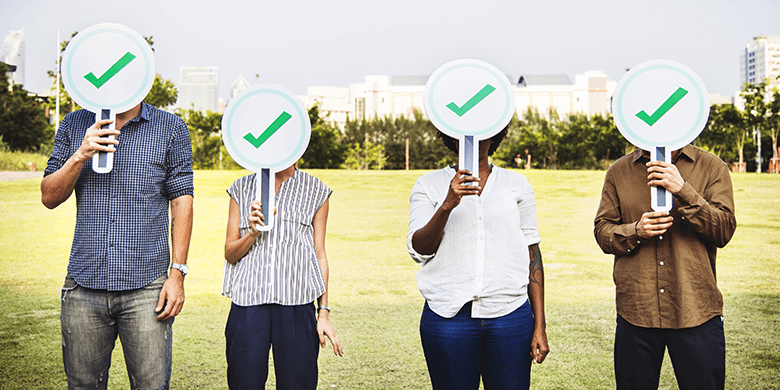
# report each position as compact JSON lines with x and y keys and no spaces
{"x":373,"y":292}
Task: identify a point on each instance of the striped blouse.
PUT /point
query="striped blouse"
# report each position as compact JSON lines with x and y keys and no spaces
{"x":281,"y":267}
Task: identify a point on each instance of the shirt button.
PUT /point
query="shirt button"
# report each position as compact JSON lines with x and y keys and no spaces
{"x":662,"y":263}
{"x":662,"y":290}
{"x":660,"y":237}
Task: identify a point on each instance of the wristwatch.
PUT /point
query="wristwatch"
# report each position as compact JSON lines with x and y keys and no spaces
{"x":181,"y":267}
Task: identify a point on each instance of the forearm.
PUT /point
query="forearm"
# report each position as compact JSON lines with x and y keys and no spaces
{"x":181,"y":227}
{"x":536,"y":285}
{"x":716,"y":224}
{"x":235,"y":250}
{"x":426,"y":240}
{"x":617,"y":239}
{"x":57,"y":187}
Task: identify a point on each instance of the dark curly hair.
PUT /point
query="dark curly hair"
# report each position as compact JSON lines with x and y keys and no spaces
{"x":495,"y":141}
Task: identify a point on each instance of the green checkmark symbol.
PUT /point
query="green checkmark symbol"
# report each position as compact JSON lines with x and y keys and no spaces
{"x":482,"y":94}
{"x":665,"y":107}
{"x":111,"y":72}
{"x":280,"y":120}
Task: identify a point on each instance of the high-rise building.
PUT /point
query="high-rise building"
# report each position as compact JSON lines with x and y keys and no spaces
{"x":13,"y":54}
{"x":761,"y":59}
{"x":238,"y":85}
{"x":198,"y":88}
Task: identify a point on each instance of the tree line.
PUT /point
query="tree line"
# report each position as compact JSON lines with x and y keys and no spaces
{"x":553,"y":141}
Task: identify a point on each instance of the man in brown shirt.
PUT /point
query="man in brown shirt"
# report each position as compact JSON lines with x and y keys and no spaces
{"x":664,"y":270}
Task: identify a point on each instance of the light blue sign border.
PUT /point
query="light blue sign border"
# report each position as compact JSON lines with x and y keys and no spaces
{"x":127,"y":103}
{"x":491,"y":129}
{"x":248,"y":163}
{"x":678,"y":142}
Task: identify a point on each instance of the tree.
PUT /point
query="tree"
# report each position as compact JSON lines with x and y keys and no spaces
{"x":204,"y":136}
{"x":162,"y":94}
{"x":325,"y":149}
{"x":23,"y":124}
{"x":755,"y":107}
{"x":773,"y":122}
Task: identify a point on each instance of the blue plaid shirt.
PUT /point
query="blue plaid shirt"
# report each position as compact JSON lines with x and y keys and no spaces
{"x":121,"y":238}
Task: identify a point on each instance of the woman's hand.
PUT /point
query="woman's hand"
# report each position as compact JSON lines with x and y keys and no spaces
{"x":460,"y":187}
{"x":539,"y":346}
{"x":256,"y":218}
{"x":325,"y":329}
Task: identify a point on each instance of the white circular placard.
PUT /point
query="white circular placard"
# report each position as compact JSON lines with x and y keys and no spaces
{"x":660,"y":103}
{"x":266,"y":126}
{"x":469,"y":97}
{"x":108,"y":66}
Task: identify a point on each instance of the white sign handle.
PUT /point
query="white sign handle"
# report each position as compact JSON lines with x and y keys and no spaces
{"x":265,"y":181}
{"x":661,"y":198}
{"x":103,"y":162}
{"x":468,"y":155}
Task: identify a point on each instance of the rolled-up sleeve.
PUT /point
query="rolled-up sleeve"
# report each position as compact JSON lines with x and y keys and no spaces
{"x":61,"y":152}
{"x":421,"y":210}
{"x":527,"y":209}
{"x":612,"y":234}
{"x":178,"y":180}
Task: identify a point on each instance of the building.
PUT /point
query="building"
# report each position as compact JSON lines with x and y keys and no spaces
{"x":238,"y":85}
{"x":13,"y":54}
{"x":380,"y":96}
{"x":760,"y":60}
{"x":198,"y":87}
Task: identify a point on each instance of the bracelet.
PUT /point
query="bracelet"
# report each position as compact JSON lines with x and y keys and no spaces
{"x":323,"y":307}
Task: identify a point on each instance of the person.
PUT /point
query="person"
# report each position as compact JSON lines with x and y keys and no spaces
{"x":664,"y":269}
{"x":273,"y":278}
{"x":481,"y":277}
{"x":117,"y":281}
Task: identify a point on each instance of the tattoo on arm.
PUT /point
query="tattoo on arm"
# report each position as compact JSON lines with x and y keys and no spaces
{"x":536,"y":265}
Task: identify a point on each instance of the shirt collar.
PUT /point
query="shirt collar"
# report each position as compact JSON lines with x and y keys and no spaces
{"x":688,"y":151}
{"x":144,"y":113}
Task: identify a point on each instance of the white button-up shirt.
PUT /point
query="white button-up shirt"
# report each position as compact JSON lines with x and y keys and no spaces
{"x":483,"y":255}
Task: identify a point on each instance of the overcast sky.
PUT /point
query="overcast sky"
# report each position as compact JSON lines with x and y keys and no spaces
{"x":314,"y":43}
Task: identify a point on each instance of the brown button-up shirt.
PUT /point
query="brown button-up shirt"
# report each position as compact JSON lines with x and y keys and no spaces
{"x":667,"y":281}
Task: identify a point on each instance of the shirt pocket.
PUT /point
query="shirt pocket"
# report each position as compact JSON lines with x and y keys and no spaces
{"x":296,"y":229}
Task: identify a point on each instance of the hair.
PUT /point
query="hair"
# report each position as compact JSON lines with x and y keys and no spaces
{"x":495,"y":141}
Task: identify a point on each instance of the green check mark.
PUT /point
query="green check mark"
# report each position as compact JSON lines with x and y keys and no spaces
{"x":111,"y":72}
{"x":280,"y":120}
{"x":482,"y":94}
{"x":665,"y":107}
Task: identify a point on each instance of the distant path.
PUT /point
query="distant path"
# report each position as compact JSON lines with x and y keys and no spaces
{"x":14,"y":175}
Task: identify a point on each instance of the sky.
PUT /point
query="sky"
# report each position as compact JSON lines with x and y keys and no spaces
{"x":297,"y":44}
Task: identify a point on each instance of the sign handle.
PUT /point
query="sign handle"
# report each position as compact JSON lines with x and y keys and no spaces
{"x":266,"y":194}
{"x":103,"y":162}
{"x":468,"y":155}
{"x":661,"y":198}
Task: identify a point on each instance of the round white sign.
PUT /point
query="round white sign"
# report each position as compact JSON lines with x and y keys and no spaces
{"x":266,"y":126}
{"x":469,"y":97}
{"x":660,"y":103}
{"x":108,"y":66}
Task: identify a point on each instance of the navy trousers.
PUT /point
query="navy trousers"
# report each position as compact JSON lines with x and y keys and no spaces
{"x":291,"y":330}
{"x":698,"y":355}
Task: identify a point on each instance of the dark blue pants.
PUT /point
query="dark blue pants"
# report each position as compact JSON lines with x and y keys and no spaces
{"x":460,"y":349}
{"x":252,"y":330}
{"x":698,"y":355}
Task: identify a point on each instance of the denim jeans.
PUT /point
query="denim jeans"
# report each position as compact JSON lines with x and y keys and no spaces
{"x":460,"y":349}
{"x":92,"y":319}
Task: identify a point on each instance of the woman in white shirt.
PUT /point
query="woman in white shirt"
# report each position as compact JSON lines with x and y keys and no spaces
{"x":481,"y":275}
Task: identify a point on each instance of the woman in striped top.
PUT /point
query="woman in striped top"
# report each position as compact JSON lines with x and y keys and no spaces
{"x":273,"y":278}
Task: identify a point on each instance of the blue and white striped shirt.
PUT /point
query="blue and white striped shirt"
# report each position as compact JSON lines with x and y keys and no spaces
{"x":282,"y":266}
{"x":121,"y":238}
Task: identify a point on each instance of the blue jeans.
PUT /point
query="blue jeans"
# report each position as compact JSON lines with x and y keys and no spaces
{"x":91,"y":321}
{"x":460,"y":349}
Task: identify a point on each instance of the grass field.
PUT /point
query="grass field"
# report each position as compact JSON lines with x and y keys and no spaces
{"x":373,"y":292}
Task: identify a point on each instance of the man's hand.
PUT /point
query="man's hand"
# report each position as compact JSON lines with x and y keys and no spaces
{"x":94,"y":142}
{"x":171,"y":297}
{"x":653,"y":224}
{"x":663,"y":174}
